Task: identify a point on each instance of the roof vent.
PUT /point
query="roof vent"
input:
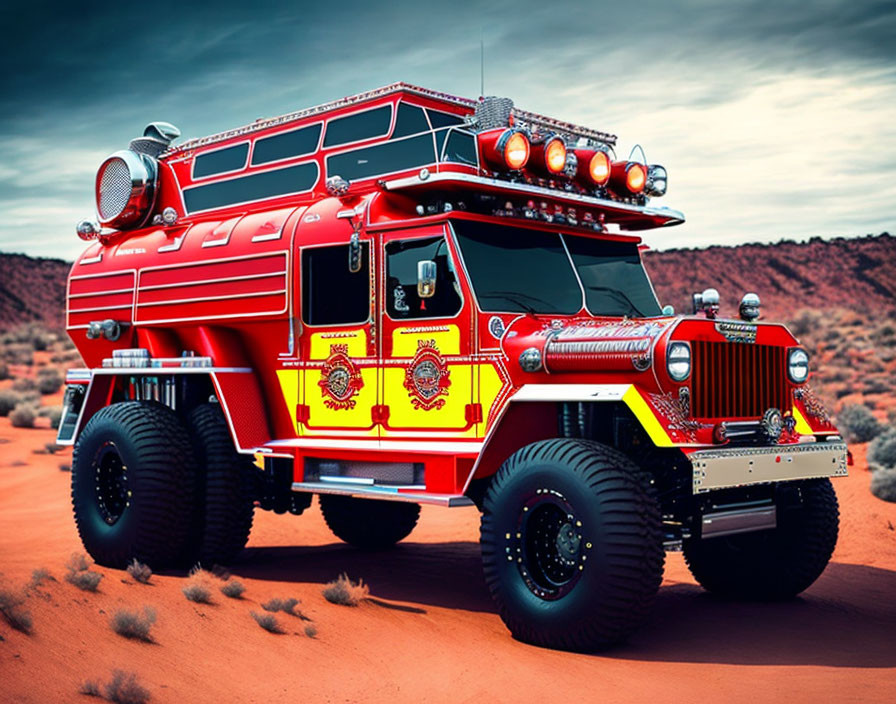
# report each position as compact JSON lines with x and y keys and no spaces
{"x":493,"y":112}
{"x":156,"y":138}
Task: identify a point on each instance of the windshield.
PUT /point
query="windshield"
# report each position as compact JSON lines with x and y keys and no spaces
{"x":514,"y":269}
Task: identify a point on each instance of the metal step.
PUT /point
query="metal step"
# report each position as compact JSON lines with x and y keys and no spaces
{"x":410,"y":493}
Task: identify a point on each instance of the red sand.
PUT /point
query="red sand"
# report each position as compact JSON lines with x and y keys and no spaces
{"x":429,"y":632}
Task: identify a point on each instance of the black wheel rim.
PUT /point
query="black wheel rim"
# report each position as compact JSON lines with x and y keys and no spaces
{"x":549,"y":545}
{"x":111,"y":482}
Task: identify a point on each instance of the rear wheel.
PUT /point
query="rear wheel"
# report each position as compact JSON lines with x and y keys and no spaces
{"x":225,"y":500}
{"x":368,"y":523}
{"x":772,"y":564}
{"x":571,"y":544}
{"x":132,"y":485}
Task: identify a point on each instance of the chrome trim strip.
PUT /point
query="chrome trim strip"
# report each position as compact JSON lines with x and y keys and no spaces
{"x":457,"y":447}
{"x":91,"y":260}
{"x":384,"y":493}
{"x":164,"y":371}
{"x":449,"y":177}
{"x":202,"y":299}
{"x":571,"y":392}
{"x":222,"y":280}
{"x":743,"y":520}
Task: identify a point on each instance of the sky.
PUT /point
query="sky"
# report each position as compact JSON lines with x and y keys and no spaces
{"x":775,"y":120}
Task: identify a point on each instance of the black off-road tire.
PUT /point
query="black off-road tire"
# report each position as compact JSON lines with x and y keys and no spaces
{"x":592,"y":582}
{"x":225,"y":505}
{"x":368,"y":523}
{"x":133,"y":485}
{"x":772,"y":564}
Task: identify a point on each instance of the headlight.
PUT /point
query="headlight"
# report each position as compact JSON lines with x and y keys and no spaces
{"x":125,"y":189}
{"x":798,"y":365}
{"x":678,"y":360}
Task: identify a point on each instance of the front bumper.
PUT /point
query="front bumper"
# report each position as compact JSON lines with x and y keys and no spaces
{"x":741,"y":466}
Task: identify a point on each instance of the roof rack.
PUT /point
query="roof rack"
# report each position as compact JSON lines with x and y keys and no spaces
{"x":566,"y":129}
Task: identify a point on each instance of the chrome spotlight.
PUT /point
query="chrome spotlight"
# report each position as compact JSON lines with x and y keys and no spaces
{"x":657,"y":181}
{"x":169,"y":216}
{"x":772,"y":425}
{"x":87,"y":229}
{"x":707,"y":303}
{"x":337,"y":186}
{"x":749,"y":307}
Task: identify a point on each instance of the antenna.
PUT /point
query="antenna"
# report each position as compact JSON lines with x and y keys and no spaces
{"x":481,"y":64}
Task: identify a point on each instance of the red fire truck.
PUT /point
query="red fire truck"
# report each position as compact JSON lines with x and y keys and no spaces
{"x":404,"y":298}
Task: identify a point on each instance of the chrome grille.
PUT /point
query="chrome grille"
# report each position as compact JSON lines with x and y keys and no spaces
{"x":115,"y":189}
{"x":737,"y":380}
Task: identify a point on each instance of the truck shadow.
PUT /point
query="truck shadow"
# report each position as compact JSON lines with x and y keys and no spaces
{"x":847,"y":619}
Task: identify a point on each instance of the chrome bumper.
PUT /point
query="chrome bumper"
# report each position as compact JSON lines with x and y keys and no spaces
{"x":741,"y":466}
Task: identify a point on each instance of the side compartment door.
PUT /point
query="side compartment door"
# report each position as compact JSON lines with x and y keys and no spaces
{"x":338,"y":345}
{"x":427,"y":371}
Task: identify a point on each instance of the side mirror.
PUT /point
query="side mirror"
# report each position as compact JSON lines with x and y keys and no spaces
{"x":426,"y":278}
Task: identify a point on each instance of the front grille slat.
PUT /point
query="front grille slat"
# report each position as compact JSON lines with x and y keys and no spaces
{"x":736,"y":380}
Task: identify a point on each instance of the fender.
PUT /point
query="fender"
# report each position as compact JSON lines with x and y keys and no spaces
{"x":531,"y":413}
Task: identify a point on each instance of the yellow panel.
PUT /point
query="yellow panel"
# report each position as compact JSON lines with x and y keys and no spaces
{"x":802,"y":425}
{"x":489,"y":387}
{"x":323,"y":416}
{"x":289,"y":387}
{"x":646,"y":418}
{"x":405,"y":339}
{"x":403,"y":414}
{"x":356,"y":340}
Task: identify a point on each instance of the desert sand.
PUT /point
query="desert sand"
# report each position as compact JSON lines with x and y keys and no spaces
{"x":429,"y":632}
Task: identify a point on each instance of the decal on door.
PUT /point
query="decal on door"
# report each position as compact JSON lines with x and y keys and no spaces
{"x":340,"y":379}
{"x":427,"y":377}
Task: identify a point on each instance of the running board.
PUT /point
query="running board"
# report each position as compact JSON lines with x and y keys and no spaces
{"x":738,"y":521}
{"x":410,"y":494}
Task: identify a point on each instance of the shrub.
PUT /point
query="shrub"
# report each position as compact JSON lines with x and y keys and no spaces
{"x":22,"y":416}
{"x":198,"y":593}
{"x":91,"y":688}
{"x":287,"y":606}
{"x":11,"y":610}
{"x":55,"y":416}
{"x":49,"y":381}
{"x":883,"y":449}
{"x":39,"y":576}
{"x":268,"y":622}
{"x":4,"y":370}
{"x":345,"y":592}
{"x":858,"y":423}
{"x":19,"y":353}
{"x":131,"y":624}
{"x":139,"y":572}
{"x":79,"y":573}
{"x":883,"y":484}
{"x":24,"y":384}
{"x":123,"y":688}
{"x":9,"y":400}
{"x":234,"y":589}
{"x":311,"y":630}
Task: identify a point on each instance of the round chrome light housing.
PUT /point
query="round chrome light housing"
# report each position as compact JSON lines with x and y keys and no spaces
{"x":657,"y":181}
{"x":772,"y":424}
{"x":798,"y":365}
{"x":125,"y":189}
{"x":678,"y":360}
{"x":530,"y":360}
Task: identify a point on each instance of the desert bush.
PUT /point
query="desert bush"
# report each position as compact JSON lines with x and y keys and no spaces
{"x":139,"y":572}
{"x":883,"y":449}
{"x":4,"y":370}
{"x":123,"y":688}
{"x":311,"y":630}
{"x":233,"y":588}
{"x":24,"y":384}
{"x":12,"y":611}
{"x":91,"y":688}
{"x":54,"y":413}
{"x":23,"y":416}
{"x":268,"y":622}
{"x":858,"y":423}
{"x":883,"y":483}
{"x":198,"y":593}
{"x":131,"y":624}
{"x":287,"y":606}
{"x":345,"y":592}
{"x":39,"y":576}
{"x":79,"y":573}
{"x":9,"y":400}
{"x":19,"y":353}
{"x":49,"y":381}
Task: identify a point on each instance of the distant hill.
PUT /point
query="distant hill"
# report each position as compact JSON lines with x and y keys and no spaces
{"x":857,"y":274}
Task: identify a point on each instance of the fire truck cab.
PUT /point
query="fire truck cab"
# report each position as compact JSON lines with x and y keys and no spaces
{"x":405,"y":298}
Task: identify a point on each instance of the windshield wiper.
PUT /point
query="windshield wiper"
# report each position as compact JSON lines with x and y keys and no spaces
{"x":620,"y":295}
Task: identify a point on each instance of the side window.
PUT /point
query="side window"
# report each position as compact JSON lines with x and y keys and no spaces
{"x":402,"y":301}
{"x":331,"y":293}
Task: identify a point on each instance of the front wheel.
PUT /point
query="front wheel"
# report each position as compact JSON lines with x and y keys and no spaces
{"x":571,"y":544}
{"x":133,"y":485}
{"x":368,"y":523}
{"x":772,"y":564}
